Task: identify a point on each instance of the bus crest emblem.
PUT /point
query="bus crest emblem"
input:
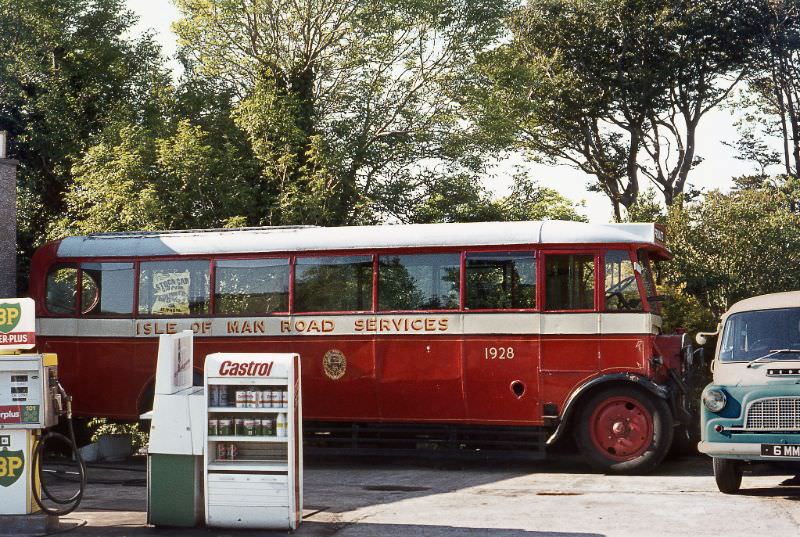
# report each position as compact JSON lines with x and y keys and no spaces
{"x":9,"y":317}
{"x":335,"y":364}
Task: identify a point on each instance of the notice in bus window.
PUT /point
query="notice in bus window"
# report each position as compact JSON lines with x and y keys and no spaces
{"x":171,"y":293}
{"x":174,"y":287}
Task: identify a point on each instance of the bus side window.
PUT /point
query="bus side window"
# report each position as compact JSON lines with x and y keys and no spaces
{"x":251,"y":286}
{"x":61,"y":291}
{"x":501,"y":280}
{"x":622,"y":289}
{"x":570,"y":282}
{"x":335,"y":283}
{"x":174,"y":287}
{"x":106,"y":288}
{"x":419,"y":282}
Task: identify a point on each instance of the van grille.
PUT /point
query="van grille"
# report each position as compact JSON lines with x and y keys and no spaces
{"x":774,"y":414}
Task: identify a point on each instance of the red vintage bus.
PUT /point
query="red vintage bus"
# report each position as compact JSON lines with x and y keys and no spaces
{"x":467,"y":336}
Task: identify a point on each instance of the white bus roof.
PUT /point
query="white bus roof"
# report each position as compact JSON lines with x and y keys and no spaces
{"x":310,"y":238}
{"x":771,"y":301}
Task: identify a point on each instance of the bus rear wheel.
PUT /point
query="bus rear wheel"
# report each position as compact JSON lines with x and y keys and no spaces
{"x":728,"y":475}
{"x":624,"y":430}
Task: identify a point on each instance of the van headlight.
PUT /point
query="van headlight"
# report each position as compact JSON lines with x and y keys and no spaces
{"x":714,"y":399}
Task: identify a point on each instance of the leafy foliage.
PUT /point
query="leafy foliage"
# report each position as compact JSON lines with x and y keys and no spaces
{"x":732,"y":246}
{"x":101,"y":426}
{"x":769,"y":107}
{"x":340,"y":99}
{"x":616,"y":88}
{"x":183,"y":180}
{"x":682,"y":311}
{"x":67,"y":74}
{"x":462,"y":198}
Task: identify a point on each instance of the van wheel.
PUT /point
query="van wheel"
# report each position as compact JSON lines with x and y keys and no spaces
{"x":623,"y":430}
{"x":728,"y":475}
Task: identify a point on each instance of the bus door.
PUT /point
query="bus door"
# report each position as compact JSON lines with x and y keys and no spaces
{"x":501,"y":377}
{"x":570,"y":324}
{"x":501,"y":346}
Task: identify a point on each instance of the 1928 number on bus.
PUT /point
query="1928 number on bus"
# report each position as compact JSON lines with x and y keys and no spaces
{"x":498,"y":353}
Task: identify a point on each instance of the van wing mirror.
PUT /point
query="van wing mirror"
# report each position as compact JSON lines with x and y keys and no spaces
{"x":702,"y":337}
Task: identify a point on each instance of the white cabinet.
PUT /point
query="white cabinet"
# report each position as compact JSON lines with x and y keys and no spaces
{"x":253,"y":456}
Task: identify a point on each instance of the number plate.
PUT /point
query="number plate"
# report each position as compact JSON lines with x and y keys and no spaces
{"x":780,"y":450}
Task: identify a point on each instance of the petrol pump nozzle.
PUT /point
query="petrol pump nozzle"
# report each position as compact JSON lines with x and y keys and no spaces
{"x":63,"y":396}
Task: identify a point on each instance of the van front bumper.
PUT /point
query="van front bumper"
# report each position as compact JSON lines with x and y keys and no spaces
{"x":728,"y":449}
{"x":745,"y":451}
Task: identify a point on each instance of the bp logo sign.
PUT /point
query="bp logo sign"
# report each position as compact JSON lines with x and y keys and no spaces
{"x":12,"y":464}
{"x":9,"y":317}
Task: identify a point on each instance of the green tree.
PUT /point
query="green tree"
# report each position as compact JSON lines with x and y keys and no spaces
{"x":340,"y":99}
{"x":646,"y":209}
{"x":67,"y":73}
{"x":464,"y":198}
{"x":616,"y":88}
{"x":771,"y":106}
{"x":185,"y":179}
{"x":732,"y":246}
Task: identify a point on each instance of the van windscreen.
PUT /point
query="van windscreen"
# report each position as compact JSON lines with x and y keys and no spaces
{"x":755,"y":334}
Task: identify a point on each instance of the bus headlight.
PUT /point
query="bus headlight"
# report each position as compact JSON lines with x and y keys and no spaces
{"x":714,"y":399}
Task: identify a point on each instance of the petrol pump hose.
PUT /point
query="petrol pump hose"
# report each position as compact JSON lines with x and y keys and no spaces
{"x":71,"y":503}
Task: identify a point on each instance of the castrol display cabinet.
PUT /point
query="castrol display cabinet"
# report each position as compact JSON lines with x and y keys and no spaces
{"x":253,"y":456}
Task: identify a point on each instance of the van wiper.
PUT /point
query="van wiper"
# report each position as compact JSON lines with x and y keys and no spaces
{"x":772,"y":353}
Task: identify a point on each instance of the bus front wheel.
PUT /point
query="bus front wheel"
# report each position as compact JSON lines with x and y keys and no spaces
{"x":728,"y":475}
{"x":624,"y":430}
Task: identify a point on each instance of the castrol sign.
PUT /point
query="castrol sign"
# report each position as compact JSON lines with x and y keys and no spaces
{"x":17,"y":323}
{"x":230,"y":365}
{"x":245,"y":369}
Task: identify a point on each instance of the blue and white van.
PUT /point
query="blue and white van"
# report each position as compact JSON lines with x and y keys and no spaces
{"x":751,"y":410}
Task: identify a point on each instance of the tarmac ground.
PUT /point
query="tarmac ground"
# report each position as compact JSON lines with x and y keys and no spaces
{"x":559,"y":497}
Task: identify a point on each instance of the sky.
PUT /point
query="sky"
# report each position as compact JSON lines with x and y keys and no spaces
{"x":717,"y":127}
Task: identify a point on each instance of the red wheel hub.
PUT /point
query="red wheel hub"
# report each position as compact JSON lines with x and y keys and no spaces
{"x":622,"y":429}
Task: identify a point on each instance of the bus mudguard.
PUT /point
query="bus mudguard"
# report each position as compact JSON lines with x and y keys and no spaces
{"x":572,"y":402}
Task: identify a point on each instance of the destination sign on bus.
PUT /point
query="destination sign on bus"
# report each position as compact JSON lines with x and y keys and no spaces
{"x":308,"y":325}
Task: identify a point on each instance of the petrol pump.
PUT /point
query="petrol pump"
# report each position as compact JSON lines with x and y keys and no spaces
{"x":31,"y":400}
